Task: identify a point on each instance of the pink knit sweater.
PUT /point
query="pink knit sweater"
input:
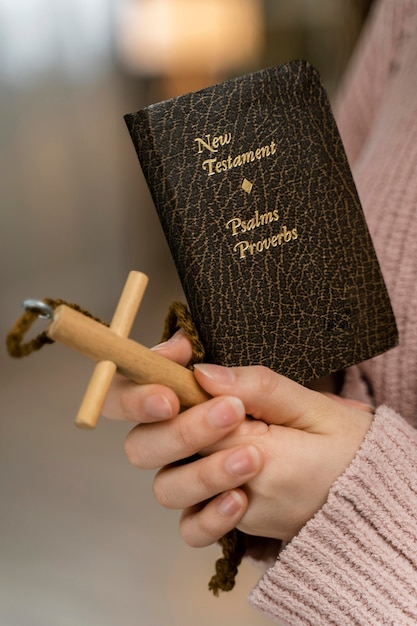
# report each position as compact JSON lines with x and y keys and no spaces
{"x":355,"y":562}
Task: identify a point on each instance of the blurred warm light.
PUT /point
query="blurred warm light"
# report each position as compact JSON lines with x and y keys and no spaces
{"x":180,"y":37}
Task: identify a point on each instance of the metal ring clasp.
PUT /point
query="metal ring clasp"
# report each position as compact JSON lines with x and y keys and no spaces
{"x":43,"y":310}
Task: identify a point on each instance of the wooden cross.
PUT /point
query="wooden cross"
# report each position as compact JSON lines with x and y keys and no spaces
{"x":112,"y":350}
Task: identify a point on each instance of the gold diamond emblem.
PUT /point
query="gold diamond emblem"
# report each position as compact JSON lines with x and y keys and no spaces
{"x":247,"y":185}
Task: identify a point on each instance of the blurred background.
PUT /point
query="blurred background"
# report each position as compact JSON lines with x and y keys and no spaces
{"x":81,"y":539}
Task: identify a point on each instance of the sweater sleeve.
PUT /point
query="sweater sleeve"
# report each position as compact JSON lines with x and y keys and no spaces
{"x":370,"y":69}
{"x":355,"y":561}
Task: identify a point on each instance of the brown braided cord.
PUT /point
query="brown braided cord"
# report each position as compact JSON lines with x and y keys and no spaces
{"x":234,"y":548}
{"x":179,"y":316}
{"x":14,"y":339}
{"x":233,"y":543}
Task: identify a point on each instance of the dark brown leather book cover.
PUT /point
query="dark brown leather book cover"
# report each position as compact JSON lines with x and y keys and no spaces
{"x":256,"y":198}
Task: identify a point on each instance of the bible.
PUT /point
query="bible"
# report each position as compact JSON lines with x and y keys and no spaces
{"x":257,"y":202}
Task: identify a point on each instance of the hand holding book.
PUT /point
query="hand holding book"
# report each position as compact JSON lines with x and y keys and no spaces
{"x":267,"y":475}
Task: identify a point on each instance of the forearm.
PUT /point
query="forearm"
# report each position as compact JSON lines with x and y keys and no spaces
{"x":355,"y":562}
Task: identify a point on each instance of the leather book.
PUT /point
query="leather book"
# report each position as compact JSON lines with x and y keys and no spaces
{"x":256,"y":198}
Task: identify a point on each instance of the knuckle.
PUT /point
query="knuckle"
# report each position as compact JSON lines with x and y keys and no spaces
{"x":201,"y":530}
{"x":162,"y":493}
{"x":133,"y":451}
{"x":267,"y":379}
{"x":206,"y":480}
{"x":195,"y":533}
{"x":266,"y":383}
{"x":187,"y":534}
{"x":128,"y":403}
{"x":185,"y":437}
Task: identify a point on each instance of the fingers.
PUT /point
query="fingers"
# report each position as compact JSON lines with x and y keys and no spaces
{"x":182,"y":486}
{"x":268,"y":396}
{"x":178,"y":348}
{"x":148,"y":403}
{"x":207,"y":490}
{"x":153,"y":445}
{"x":202,"y":526}
{"x":139,"y":403}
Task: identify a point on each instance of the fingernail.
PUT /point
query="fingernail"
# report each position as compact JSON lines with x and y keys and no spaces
{"x":217,"y":373}
{"x":243,"y":461}
{"x":230,"y":503}
{"x":158,"y":407}
{"x":175,"y":337}
{"x":226,"y":412}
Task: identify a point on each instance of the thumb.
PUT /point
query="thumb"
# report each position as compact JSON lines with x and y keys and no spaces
{"x":178,"y":348}
{"x":270,"y":397}
{"x":368,"y":408}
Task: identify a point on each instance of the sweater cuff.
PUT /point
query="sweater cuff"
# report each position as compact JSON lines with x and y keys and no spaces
{"x":355,"y":561}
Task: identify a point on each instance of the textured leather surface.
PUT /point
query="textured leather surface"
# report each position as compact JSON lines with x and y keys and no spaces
{"x":281,"y":271}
